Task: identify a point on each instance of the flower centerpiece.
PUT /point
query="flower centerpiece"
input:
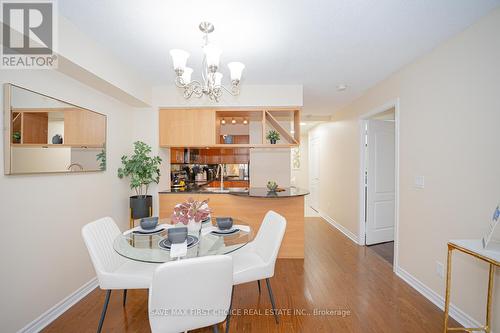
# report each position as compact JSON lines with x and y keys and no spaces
{"x":191,"y":213}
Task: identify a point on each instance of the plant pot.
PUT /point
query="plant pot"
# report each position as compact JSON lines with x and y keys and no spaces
{"x":141,"y":206}
{"x":273,"y":141}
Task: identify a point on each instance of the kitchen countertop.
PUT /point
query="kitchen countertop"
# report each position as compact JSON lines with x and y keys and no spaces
{"x":258,"y":192}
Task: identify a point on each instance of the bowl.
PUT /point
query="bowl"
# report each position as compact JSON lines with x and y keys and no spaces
{"x":224,"y":223}
{"x":149,"y":223}
{"x":177,"y":235}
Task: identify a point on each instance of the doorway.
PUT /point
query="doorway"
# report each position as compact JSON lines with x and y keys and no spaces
{"x":379,"y":183}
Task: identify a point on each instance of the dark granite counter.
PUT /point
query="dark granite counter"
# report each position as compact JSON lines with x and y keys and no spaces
{"x":262,"y":192}
{"x":258,"y":192}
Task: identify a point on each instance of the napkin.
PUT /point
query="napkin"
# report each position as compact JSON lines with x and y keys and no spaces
{"x":158,"y":227}
{"x":178,"y":250}
{"x":207,"y":230}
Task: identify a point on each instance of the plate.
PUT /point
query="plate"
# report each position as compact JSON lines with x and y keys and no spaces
{"x":191,"y":241}
{"x":141,"y":231}
{"x":225,"y":232}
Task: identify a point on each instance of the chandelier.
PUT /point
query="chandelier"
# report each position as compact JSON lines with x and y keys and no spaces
{"x":211,"y":83}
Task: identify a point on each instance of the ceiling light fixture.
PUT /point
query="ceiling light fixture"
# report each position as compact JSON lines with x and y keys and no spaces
{"x":211,"y":84}
{"x":223,"y":121}
{"x":233,"y":121}
{"x":341,"y":87}
{"x":245,"y":121}
{"x":303,"y":123}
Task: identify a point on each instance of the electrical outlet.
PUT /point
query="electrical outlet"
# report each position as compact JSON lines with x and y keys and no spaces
{"x":440,"y":269}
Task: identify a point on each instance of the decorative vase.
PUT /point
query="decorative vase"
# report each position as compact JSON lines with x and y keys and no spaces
{"x":273,"y":141}
{"x":193,"y":227}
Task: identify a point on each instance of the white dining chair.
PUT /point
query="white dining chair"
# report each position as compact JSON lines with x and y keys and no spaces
{"x":190,"y":294}
{"x":256,"y":260}
{"x":113,"y":270}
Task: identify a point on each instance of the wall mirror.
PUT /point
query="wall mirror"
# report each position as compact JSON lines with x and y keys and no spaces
{"x":45,"y":135}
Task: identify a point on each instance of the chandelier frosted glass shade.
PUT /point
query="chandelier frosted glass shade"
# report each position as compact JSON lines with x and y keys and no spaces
{"x":211,"y":79}
{"x":212,"y":56}
{"x":179,"y":58}
{"x":236,"y":69}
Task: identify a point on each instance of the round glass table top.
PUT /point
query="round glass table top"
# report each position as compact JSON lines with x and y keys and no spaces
{"x":144,"y":247}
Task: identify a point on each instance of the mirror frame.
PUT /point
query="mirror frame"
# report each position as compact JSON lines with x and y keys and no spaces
{"x":7,"y":118}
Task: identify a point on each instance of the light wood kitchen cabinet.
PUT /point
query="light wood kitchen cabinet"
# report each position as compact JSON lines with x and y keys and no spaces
{"x":84,"y":128}
{"x":187,"y":127}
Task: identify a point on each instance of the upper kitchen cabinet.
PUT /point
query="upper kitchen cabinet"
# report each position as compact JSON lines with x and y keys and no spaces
{"x":229,"y":127}
{"x":187,"y":128}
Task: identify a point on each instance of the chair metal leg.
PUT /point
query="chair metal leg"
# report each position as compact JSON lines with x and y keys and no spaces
{"x":215,"y":328}
{"x":124,"y":296}
{"x":272,"y":300}
{"x":103,"y":313}
{"x":258,"y":283}
{"x":228,"y":318}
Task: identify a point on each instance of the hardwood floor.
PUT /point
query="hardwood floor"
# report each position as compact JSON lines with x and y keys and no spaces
{"x":336,"y":274}
{"x":385,"y":250}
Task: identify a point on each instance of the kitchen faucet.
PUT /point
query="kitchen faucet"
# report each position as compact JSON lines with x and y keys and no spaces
{"x":220,"y":172}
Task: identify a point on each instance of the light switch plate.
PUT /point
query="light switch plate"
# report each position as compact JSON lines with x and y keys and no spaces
{"x":419,"y":181}
{"x":440,"y":270}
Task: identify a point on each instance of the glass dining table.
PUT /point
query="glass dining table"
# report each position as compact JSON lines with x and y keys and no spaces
{"x":146,"y":247}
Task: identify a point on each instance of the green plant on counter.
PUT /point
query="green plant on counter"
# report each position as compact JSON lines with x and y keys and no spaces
{"x":101,"y":158}
{"x":16,"y":136}
{"x":272,"y":185}
{"x":273,"y":136}
{"x":141,"y":168}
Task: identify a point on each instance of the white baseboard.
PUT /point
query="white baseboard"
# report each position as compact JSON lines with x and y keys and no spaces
{"x":340,"y":228}
{"x":460,"y":316}
{"x":50,"y":315}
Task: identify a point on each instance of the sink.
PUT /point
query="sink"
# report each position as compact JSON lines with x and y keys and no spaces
{"x":216,"y":190}
{"x":225,"y":189}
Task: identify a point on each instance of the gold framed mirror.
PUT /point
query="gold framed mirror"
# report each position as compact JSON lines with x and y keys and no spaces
{"x":43,"y":134}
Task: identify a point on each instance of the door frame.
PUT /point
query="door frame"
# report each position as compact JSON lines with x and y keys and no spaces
{"x":362,"y":167}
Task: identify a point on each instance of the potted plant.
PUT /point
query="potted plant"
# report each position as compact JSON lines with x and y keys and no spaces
{"x":273,"y":136}
{"x":191,"y":213}
{"x":16,"y":137}
{"x":142,"y":170}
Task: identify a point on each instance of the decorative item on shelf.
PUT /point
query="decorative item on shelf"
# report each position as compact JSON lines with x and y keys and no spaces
{"x":273,"y":136}
{"x":272,"y":186}
{"x":211,"y":83}
{"x":228,"y":139}
{"x":191,"y":213}
{"x":142,"y":170}
{"x":16,"y":137}
{"x":57,"y":139}
{"x":488,"y":241}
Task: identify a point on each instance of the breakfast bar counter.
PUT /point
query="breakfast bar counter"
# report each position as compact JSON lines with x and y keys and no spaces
{"x":251,"y":206}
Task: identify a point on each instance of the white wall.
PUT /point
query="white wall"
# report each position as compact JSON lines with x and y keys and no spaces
{"x":449,"y":116}
{"x":42,"y":254}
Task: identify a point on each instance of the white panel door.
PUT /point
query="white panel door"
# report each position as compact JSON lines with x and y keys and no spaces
{"x":314,"y":174}
{"x":380,"y":205}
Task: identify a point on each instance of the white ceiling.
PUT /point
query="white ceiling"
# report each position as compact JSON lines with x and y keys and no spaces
{"x":319,"y":44}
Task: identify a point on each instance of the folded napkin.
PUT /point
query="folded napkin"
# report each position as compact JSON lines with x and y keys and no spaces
{"x":207,"y":230}
{"x":138,"y":228}
{"x":178,"y":250}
